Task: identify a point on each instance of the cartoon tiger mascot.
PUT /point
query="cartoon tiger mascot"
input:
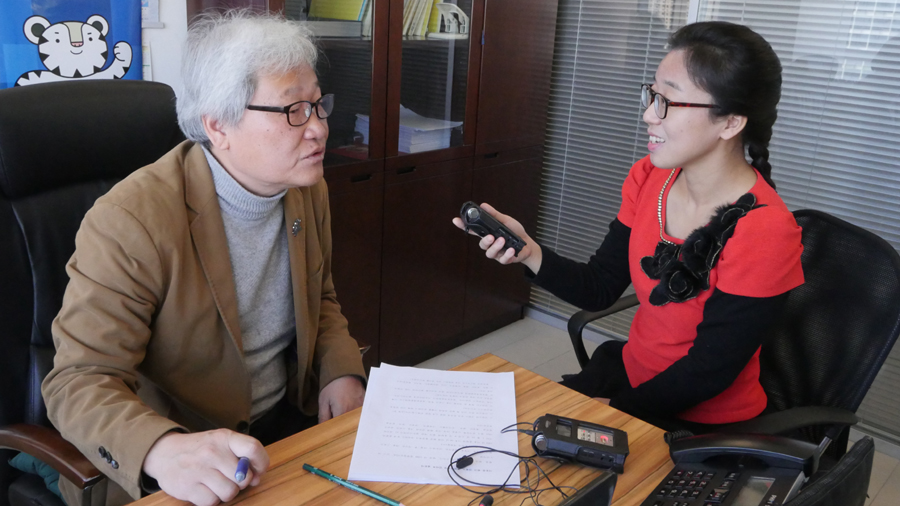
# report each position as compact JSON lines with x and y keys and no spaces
{"x":74,"y":50}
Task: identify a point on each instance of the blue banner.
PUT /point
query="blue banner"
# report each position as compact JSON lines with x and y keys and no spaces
{"x":58,"y":40}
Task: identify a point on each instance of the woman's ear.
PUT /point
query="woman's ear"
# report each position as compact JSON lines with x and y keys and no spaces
{"x":734,"y":125}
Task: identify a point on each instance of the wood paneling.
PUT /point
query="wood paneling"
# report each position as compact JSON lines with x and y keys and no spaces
{"x":424,"y":261}
{"x":516,"y":61}
{"x":356,"y":198}
{"x":496,"y":294}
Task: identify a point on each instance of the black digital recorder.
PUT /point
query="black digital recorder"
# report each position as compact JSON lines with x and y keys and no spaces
{"x":586,"y":443}
{"x":479,"y":221}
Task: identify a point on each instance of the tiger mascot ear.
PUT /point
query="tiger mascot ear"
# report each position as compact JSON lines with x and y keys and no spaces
{"x":34,"y":28}
{"x":100,"y":23}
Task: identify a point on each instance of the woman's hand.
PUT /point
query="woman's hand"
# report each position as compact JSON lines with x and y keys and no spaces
{"x":530,"y":255}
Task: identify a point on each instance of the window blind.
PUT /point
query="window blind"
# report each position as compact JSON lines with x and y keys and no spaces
{"x":834,"y":145}
{"x":604,"y":50}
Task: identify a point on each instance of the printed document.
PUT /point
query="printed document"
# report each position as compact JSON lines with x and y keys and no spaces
{"x":414,"y":419}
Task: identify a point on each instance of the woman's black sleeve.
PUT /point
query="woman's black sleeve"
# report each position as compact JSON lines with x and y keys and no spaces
{"x":594,"y":285}
{"x":733,"y":328}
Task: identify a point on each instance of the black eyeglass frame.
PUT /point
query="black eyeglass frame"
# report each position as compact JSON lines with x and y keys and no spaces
{"x":647,"y":91}
{"x":286,"y":110}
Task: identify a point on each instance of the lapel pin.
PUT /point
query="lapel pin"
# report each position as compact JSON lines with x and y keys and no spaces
{"x":296,"y":228}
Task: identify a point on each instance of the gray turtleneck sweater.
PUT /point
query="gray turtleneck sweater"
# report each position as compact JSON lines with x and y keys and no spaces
{"x":257,"y":245}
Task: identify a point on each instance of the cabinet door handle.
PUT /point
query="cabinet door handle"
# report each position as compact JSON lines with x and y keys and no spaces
{"x":492,"y":155}
{"x":361,"y":178}
{"x":406,"y":170}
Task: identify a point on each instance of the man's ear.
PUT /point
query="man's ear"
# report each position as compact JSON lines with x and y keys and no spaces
{"x":217,"y":133}
{"x":734,"y":125}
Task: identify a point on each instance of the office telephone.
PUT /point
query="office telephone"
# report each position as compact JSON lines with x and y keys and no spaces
{"x":734,"y":470}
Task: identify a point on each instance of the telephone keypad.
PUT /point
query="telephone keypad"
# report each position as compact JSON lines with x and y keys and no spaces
{"x":698,"y":484}
{"x":717,"y":495}
{"x":693,"y":487}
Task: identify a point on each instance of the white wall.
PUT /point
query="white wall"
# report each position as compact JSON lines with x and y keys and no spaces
{"x":166,"y":43}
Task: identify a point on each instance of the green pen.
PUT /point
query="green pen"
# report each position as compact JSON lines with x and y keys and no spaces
{"x":352,"y":486}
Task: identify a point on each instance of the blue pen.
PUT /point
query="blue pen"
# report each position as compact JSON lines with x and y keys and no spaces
{"x":243,"y":466}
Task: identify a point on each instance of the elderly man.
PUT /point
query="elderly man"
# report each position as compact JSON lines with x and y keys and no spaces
{"x":200,"y":321}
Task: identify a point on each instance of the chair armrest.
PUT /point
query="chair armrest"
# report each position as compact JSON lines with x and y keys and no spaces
{"x":47,"y":445}
{"x":782,"y":422}
{"x":580,"y":319}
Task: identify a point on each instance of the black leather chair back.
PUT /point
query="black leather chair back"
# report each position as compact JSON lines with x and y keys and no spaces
{"x":837,"y":328}
{"x":62,"y":145}
{"x":845,"y":484}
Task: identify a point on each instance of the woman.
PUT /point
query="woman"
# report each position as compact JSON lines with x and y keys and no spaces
{"x":710,"y":247}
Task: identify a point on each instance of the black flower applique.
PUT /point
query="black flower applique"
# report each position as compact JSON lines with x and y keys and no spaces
{"x":663,"y":259}
{"x":684,"y":270}
{"x":678,"y":284}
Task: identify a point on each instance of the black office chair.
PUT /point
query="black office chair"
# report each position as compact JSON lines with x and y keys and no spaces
{"x":845,"y":484}
{"x":62,"y":145}
{"x":836,"y":331}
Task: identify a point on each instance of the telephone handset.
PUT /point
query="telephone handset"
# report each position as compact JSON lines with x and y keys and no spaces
{"x":735,"y":470}
{"x":774,"y":451}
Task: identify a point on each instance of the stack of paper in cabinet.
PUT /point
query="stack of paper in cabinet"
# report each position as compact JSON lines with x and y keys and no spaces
{"x":414,"y":419}
{"x":417,"y":133}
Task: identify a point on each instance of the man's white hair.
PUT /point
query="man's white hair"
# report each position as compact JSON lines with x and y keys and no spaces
{"x":226,"y":54}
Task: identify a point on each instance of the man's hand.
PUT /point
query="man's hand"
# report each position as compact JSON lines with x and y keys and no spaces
{"x":200,"y":467}
{"x":340,"y":396}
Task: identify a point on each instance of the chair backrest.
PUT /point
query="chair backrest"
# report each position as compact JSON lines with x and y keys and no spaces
{"x":845,"y":484}
{"x":837,"y":328}
{"x":62,"y":145}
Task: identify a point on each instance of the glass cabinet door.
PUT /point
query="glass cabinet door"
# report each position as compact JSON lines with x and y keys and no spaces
{"x":343,"y":31}
{"x":430,"y":98}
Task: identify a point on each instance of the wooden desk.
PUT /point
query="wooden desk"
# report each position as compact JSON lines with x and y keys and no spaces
{"x":329,"y":446}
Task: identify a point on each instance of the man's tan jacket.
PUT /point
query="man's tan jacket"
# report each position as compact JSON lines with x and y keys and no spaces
{"x":148,"y":339}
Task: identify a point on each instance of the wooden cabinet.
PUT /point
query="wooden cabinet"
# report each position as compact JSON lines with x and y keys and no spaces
{"x":423,"y":287}
{"x":410,"y":283}
{"x":356,"y":195}
{"x":496,"y":294}
{"x":516,"y":61}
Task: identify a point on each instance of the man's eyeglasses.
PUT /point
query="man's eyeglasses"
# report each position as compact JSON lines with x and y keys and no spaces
{"x":299,"y":113}
{"x":661,"y":104}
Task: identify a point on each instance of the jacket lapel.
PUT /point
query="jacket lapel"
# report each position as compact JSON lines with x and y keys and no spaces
{"x":208,"y":234}
{"x":297,"y":226}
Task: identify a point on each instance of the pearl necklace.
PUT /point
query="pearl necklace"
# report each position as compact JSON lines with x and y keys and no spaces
{"x":659,"y":208}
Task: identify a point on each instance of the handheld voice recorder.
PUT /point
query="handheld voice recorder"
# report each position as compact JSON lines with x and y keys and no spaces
{"x":583,"y":442}
{"x":479,"y":221}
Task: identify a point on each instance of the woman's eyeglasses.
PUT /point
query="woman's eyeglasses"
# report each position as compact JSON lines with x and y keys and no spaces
{"x":299,"y":113}
{"x":661,"y":104}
